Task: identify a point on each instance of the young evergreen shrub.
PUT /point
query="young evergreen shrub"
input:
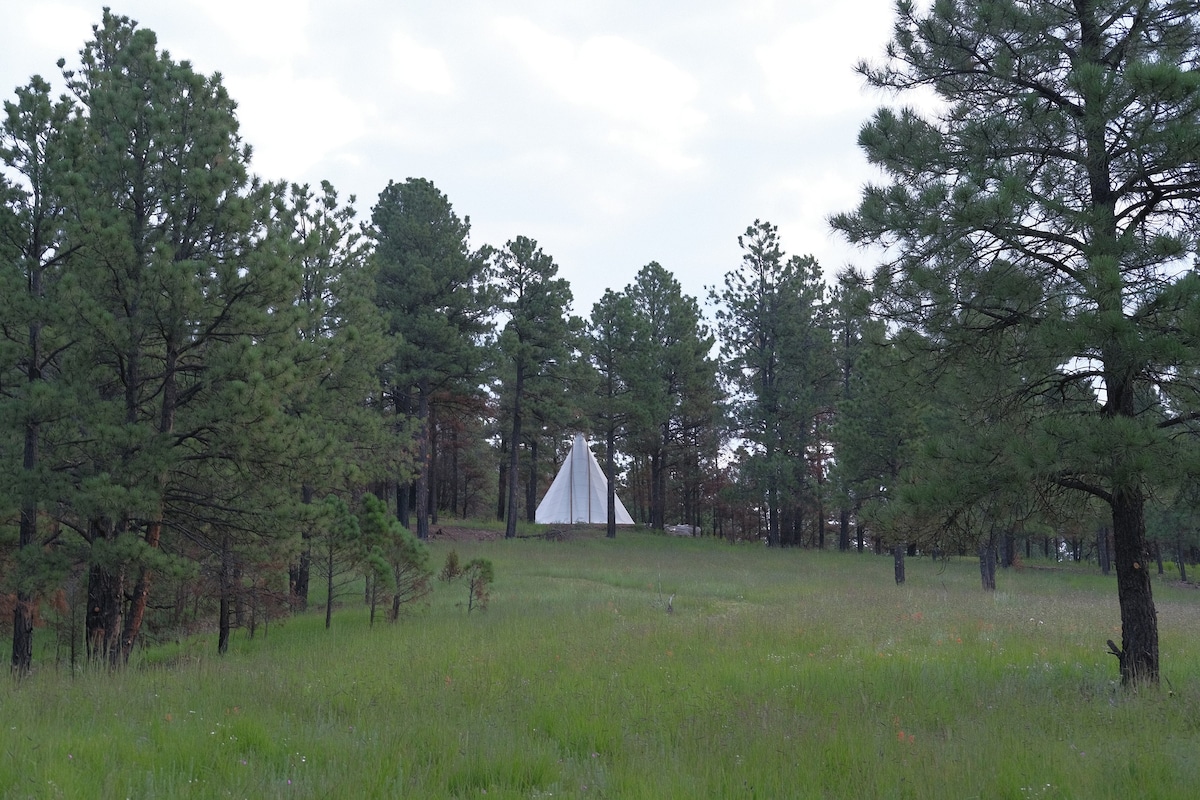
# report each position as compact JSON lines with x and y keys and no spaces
{"x":451,"y":569}
{"x":479,"y":574}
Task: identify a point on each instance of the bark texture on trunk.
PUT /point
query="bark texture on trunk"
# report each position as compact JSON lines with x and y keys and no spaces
{"x":987,"y":566}
{"x":1138,"y":654}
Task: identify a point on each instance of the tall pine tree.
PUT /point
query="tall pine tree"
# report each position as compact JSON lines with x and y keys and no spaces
{"x":1055,"y":189}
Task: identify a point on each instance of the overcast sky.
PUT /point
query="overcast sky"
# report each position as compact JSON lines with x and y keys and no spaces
{"x":614,"y":133}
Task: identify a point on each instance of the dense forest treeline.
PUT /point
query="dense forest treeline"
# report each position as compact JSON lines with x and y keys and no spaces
{"x":216,"y":388}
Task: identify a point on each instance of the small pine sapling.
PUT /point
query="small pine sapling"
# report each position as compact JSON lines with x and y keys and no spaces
{"x":479,"y":579}
{"x":451,"y":569}
{"x":410,"y":570}
{"x":397,"y":563}
{"x":479,"y":575}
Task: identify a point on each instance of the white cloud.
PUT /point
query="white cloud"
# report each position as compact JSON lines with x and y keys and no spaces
{"x":294,"y":123}
{"x":270,"y":30}
{"x":419,"y":68}
{"x":804,"y":66}
{"x":646,"y":100}
{"x":743,"y":104}
{"x":58,"y":26}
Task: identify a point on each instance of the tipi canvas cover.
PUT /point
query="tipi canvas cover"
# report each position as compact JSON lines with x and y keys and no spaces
{"x":579,"y":492}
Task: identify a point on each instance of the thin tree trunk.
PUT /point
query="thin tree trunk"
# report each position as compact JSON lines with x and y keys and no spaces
{"x":502,"y":483}
{"x":531,"y":485}
{"x":820,"y":524}
{"x":298,"y":574}
{"x":423,"y":460}
{"x":329,"y":587}
{"x":987,"y":565}
{"x":657,"y":506}
{"x":454,"y":477}
{"x":610,"y":445}
{"x":434,"y":481}
{"x":223,"y":622}
{"x":402,"y":515}
{"x":510,"y":527}
{"x":403,"y":405}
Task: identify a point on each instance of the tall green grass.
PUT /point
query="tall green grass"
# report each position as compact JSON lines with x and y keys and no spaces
{"x":778,"y":674}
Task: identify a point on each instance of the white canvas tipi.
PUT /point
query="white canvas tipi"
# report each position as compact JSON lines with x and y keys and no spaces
{"x":579,"y":492}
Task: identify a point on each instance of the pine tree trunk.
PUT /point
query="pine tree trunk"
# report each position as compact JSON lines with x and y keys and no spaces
{"x":774,"y":526}
{"x":223,"y":623}
{"x":22,"y":641}
{"x":403,"y":404}
{"x":657,"y":487}
{"x":987,"y":565}
{"x":105,"y":596}
{"x":502,"y":482}
{"x":820,"y":525}
{"x":403,"y":490}
{"x":329,"y":565}
{"x":454,"y":477}
{"x":434,"y":483}
{"x":298,"y":574}
{"x":531,"y":485}
{"x":423,"y":460}
{"x":510,"y":526}
{"x":610,"y":446}
{"x":1139,"y":620}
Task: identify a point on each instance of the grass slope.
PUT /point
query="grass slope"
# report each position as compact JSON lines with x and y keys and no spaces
{"x":779,"y":674}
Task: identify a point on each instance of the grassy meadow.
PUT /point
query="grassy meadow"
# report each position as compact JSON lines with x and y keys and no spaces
{"x":779,"y":674}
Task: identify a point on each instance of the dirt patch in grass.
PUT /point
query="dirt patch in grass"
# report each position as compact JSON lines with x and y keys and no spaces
{"x":458,"y":533}
{"x":452,"y":533}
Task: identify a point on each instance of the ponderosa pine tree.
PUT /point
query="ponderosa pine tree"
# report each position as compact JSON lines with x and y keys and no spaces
{"x":1056,"y":189}
{"x":610,"y":336}
{"x":672,"y":380}
{"x":434,"y":294}
{"x":32,"y":335}
{"x":854,"y":331}
{"x":808,"y":372}
{"x":776,"y":357}
{"x":879,"y":425}
{"x":343,"y":440}
{"x":183,"y":297}
{"x":536,"y":341}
